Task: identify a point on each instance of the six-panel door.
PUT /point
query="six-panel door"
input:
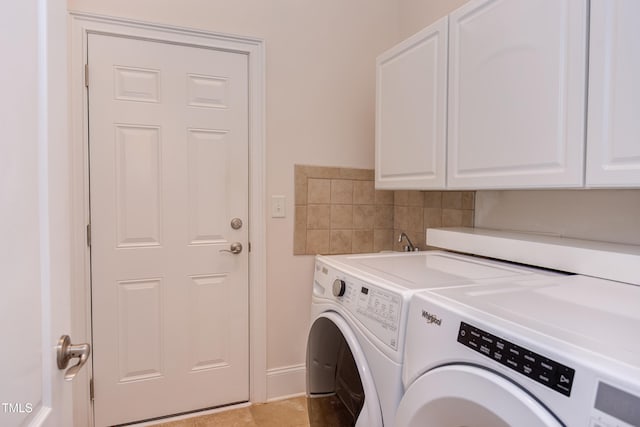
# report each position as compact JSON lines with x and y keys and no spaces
{"x":168,"y":148}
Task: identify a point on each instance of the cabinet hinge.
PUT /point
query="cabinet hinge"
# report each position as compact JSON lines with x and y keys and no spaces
{"x":89,"y":235}
{"x":91,"y":391}
{"x":86,"y":75}
{"x":249,"y":246}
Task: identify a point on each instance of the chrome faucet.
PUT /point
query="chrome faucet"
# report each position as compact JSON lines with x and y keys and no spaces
{"x":409,"y":247}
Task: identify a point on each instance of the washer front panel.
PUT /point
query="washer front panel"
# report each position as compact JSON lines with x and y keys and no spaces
{"x":378,"y":309}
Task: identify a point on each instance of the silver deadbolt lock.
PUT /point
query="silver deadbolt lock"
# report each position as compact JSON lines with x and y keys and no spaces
{"x":67,"y":351}
{"x":236,"y":223}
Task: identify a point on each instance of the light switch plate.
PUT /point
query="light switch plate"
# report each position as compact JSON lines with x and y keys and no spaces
{"x":278,"y":206}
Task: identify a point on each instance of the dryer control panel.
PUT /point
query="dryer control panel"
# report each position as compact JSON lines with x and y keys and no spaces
{"x":535,"y":366}
{"x":376,"y":308}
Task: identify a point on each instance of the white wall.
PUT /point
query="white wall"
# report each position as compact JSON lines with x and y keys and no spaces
{"x":606,"y":215}
{"x":414,"y":15}
{"x":320,"y":110}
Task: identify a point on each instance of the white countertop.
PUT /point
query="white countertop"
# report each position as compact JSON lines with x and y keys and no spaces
{"x":605,"y":260}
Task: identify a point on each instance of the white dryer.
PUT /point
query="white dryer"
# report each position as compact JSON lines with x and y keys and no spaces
{"x":356,"y":340}
{"x":563,"y":351}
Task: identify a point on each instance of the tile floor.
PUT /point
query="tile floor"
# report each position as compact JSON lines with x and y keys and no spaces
{"x":282,"y":413}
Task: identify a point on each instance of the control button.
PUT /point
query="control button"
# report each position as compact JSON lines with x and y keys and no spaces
{"x":485,"y":349}
{"x":546,"y":366}
{"x":500,"y":345}
{"x":544,"y":379}
{"x":497,"y":356}
{"x":513,"y":363}
{"x":487,"y":339}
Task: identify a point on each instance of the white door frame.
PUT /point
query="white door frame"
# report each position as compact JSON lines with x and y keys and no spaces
{"x":80,"y":26}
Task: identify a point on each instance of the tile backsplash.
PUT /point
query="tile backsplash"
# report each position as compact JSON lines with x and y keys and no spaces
{"x":338,"y":211}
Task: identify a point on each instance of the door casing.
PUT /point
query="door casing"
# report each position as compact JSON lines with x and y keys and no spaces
{"x":80,"y":26}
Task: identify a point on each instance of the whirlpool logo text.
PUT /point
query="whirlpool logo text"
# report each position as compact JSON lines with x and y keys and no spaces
{"x":431,"y":318}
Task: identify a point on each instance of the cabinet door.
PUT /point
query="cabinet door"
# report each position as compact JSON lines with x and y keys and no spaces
{"x":411,"y":111}
{"x":613,"y":129}
{"x":517,"y":71}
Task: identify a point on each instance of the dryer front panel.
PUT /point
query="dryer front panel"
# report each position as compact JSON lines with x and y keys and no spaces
{"x":464,"y":395}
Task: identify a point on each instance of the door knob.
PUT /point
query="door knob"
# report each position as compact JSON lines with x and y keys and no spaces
{"x":67,"y":351}
{"x":235,"y":248}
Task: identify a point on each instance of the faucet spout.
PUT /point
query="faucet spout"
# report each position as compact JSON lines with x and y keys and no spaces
{"x":409,"y":247}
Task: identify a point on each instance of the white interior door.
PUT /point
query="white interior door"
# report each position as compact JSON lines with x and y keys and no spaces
{"x":34,"y":215}
{"x":168,"y":141}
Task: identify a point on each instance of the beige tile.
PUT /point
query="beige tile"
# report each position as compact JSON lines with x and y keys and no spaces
{"x":341,"y":217}
{"x":401,"y":198}
{"x":384,"y":197}
{"x":401,"y":217}
{"x":317,"y":242}
{"x":364,"y":216}
{"x":300,"y":231}
{"x":397,"y":246}
{"x":419,"y":239}
{"x":341,"y":191}
{"x":451,"y":217}
{"x":319,"y":191}
{"x":318,"y":217}
{"x":467,"y":218}
{"x":452,"y":200}
{"x":432,"y":199}
{"x":234,"y":418}
{"x":416,"y":198}
{"x":362,"y":241}
{"x":363,"y":193}
{"x":189,"y":422}
{"x":383,"y":217}
{"x":468,"y":199}
{"x":300,"y":185}
{"x":340,"y":242}
{"x":415,"y":219}
{"x":382,"y":240}
{"x":284,"y":413}
{"x":432,"y":217}
{"x":359,"y":174}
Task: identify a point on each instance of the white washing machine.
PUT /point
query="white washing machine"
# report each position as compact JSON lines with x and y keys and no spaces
{"x":563,"y":351}
{"x":356,"y":340}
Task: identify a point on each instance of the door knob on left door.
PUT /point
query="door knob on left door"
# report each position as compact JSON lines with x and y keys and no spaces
{"x":67,"y":351}
{"x":235,"y":248}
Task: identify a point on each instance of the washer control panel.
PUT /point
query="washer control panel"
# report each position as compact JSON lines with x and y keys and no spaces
{"x":533,"y":365}
{"x":378,"y":309}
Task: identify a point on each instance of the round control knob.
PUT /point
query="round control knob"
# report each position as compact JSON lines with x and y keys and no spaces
{"x":339,"y":287}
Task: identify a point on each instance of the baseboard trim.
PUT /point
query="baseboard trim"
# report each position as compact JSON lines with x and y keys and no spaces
{"x":286,"y":382}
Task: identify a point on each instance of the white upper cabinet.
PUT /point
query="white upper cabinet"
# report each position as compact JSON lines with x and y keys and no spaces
{"x":613,"y":141}
{"x":411,"y":85}
{"x":517,"y":71}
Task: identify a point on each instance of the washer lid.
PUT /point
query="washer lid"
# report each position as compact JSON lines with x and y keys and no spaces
{"x":463,"y":395}
{"x":430,"y":269}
